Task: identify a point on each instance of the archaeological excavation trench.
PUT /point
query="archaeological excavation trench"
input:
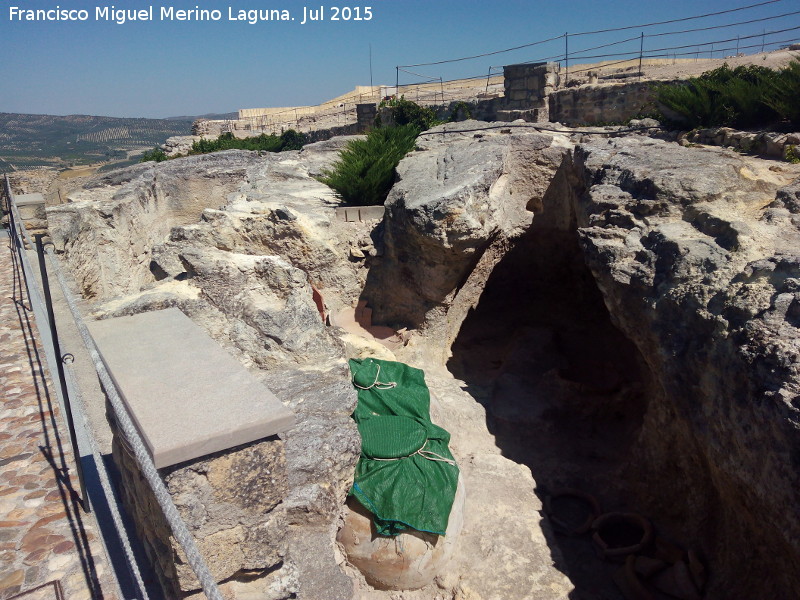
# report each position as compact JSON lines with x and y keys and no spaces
{"x":606,"y":326}
{"x":564,"y":390}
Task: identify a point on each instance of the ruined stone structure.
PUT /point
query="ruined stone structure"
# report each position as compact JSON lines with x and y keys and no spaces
{"x":607,"y":103}
{"x":531,"y":93}
{"x":620,"y":316}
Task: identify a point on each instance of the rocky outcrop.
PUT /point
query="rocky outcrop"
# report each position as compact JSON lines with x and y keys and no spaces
{"x":179,"y":145}
{"x":764,"y":143}
{"x":107,"y":230}
{"x":123,"y":231}
{"x":692,"y":251}
{"x":236,"y":240}
{"x":321,"y":453}
{"x":458,"y":204}
{"x":696,"y":254}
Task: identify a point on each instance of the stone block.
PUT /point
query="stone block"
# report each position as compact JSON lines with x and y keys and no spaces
{"x":355,"y":214}
{"x":365,"y":116}
{"x":231,"y":502}
{"x":185,"y":394}
{"x":369,"y":213}
{"x":534,"y":82}
{"x":30,"y":206}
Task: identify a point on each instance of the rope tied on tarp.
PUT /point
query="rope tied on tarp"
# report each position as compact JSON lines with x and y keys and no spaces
{"x":427,"y":454}
{"x":406,"y":476}
{"x":375,"y":383}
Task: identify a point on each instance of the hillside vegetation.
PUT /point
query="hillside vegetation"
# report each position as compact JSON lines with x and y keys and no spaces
{"x":28,"y":141}
{"x":745,"y":97}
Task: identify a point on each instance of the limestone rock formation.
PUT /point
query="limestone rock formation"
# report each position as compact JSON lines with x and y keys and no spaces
{"x":178,"y":145}
{"x":691,"y":252}
{"x":235,"y":239}
{"x":697,"y":255}
{"x":107,"y":230}
{"x":457,"y":205}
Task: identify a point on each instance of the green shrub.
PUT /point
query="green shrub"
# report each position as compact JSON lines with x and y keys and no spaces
{"x":292,"y":140}
{"x":462,"y":108}
{"x":156,"y":154}
{"x":406,"y":112}
{"x":784,"y":94}
{"x":365,"y":171}
{"x":744,"y":97}
{"x":288,"y":140}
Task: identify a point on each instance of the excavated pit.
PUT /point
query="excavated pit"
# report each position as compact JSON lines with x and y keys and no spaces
{"x":564,"y":390}
{"x":679,"y":437}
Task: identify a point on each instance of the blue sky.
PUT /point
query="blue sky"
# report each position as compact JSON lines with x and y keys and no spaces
{"x":162,"y":68}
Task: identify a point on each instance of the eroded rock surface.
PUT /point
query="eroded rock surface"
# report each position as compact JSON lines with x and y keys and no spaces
{"x":107,"y":229}
{"x":235,"y":240}
{"x":697,"y":255}
{"x":457,"y":206}
{"x":694,"y":252}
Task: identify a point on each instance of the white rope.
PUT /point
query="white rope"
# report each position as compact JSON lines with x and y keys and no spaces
{"x":378,"y":385}
{"x":426,"y":454}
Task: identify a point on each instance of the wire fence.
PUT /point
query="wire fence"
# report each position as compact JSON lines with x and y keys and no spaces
{"x":783,"y":32}
{"x":607,"y":58}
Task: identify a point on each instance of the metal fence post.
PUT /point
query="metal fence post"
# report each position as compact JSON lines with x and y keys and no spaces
{"x":641,"y":51}
{"x":48,"y":300}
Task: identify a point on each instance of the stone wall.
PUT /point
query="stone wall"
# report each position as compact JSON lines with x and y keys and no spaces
{"x":597,"y":104}
{"x":232,"y":503}
{"x":365,"y":116}
{"x":528,"y":85}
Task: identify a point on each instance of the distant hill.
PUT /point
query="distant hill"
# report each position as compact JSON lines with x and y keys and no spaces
{"x":29,"y":141}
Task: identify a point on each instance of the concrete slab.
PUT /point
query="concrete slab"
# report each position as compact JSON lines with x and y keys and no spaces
{"x":370,"y":213}
{"x":185,"y":394}
{"x":28,"y":199}
{"x":354,"y":214}
{"x":31,"y":206}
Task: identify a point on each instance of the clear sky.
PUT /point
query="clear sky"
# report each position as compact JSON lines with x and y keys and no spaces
{"x":164,"y":68}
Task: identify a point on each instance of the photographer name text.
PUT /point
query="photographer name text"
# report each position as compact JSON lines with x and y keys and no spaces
{"x":120,"y":16}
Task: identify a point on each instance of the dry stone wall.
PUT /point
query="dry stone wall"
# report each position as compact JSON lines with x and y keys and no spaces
{"x":527,"y":86}
{"x":596,"y":104}
{"x":232,"y":503}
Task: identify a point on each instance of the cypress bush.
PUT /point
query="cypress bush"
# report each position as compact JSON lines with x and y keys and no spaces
{"x":784,"y":94}
{"x":365,"y":171}
{"x":288,"y":140}
{"x":744,"y":97}
{"x":155,"y":155}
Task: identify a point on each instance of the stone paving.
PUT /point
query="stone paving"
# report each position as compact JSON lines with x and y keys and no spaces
{"x":49,"y":548}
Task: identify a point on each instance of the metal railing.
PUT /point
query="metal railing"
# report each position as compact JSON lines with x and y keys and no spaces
{"x":20,"y":238}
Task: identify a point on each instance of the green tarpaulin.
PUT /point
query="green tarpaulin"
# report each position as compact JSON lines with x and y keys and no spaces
{"x":406,"y":475}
